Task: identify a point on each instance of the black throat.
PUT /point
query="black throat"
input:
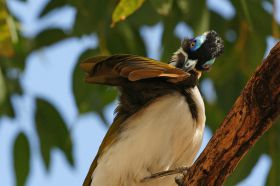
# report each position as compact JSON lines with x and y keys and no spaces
{"x":136,"y":95}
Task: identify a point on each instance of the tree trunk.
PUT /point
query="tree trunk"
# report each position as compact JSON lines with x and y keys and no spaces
{"x":250,"y":117}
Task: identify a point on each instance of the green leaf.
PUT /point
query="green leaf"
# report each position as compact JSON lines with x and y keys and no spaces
{"x":8,"y":87}
{"x":170,"y":42}
{"x":3,"y":91}
{"x":52,"y":132}
{"x":163,"y":7}
{"x":91,"y":97}
{"x":43,"y":39}
{"x":6,"y":108}
{"x":21,"y":154}
{"x":124,"y":9}
{"x":197,"y":18}
{"x":244,"y":4}
{"x":93,"y":16}
{"x":52,"y":5}
{"x":8,"y":31}
{"x":143,"y":16}
{"x":125,"y":39}
{"x":203,"y":23}
{"x":253,"y":13}
{"x":215,"y":23}
{"x":214,"y":115}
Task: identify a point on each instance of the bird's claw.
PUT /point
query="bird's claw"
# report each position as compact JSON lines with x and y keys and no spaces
{"x":179,"y":179}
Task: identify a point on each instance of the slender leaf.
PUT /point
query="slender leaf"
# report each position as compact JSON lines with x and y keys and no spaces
{"x":93,"y":16}
{"x":52,"y":5}
{"x":8,"y":87}
{"x":163,"y":7}
{"x":43,"y":39}
{"x":7,"y":32}
{"x":246,"y":12}
{"x":170,"y":42}
{"x":125,"y":39}
{"x":143,"y":16}
{"x":52,"y":132}
{"x":124,"y":9}
{"x":197,"y":18}
{"x":21,"y":154}
{"x":3,"y":91}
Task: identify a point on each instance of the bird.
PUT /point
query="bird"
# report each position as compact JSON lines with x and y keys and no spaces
{"x":160,"y":118}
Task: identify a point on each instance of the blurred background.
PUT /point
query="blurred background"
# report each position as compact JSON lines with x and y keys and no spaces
{"x":51,"y":122}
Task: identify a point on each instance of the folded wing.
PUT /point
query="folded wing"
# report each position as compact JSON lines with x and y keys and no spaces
{"x":116,"y":69}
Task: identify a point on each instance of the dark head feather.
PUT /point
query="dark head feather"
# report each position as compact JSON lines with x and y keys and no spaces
{"x":210,"y":47}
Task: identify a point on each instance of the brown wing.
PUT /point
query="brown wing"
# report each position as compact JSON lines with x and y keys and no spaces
{"x":112,"y":70}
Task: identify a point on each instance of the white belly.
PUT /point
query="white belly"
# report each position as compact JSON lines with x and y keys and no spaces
{"x":160,"y":137}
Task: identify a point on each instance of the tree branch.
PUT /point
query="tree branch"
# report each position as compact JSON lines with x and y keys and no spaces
{"x":250,"y":117}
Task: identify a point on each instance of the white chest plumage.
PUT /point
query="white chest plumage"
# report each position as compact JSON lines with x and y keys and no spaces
{"x":159,"y":137}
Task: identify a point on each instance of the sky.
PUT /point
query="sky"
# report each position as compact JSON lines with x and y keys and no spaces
{"x":47,"y":75}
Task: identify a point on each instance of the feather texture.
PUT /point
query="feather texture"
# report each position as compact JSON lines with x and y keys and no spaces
{"x":116,"y":69}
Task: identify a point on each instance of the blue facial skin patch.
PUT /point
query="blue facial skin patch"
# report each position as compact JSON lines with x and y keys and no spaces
{"x":199,"y":40}
{"x":209,"y":63}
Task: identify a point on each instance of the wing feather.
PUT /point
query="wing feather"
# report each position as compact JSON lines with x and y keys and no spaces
{"x":112,"y":70}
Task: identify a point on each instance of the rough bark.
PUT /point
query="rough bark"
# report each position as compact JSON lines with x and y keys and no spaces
{"x":250,"y":117}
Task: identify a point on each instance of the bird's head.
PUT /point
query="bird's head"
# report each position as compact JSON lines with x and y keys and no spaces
{"x":198,"y":53}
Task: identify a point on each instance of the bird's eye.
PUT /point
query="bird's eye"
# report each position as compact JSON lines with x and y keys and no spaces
{"x":193,"y":44}
{"x":197,"y":42}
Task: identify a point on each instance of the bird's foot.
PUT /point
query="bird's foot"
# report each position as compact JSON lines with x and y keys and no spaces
{"x":179,"y":179}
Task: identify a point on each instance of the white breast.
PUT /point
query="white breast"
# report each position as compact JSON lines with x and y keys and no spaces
{"x":160,"y":137}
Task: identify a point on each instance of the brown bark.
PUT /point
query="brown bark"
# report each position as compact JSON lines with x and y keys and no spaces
{"x":250,"y":117}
